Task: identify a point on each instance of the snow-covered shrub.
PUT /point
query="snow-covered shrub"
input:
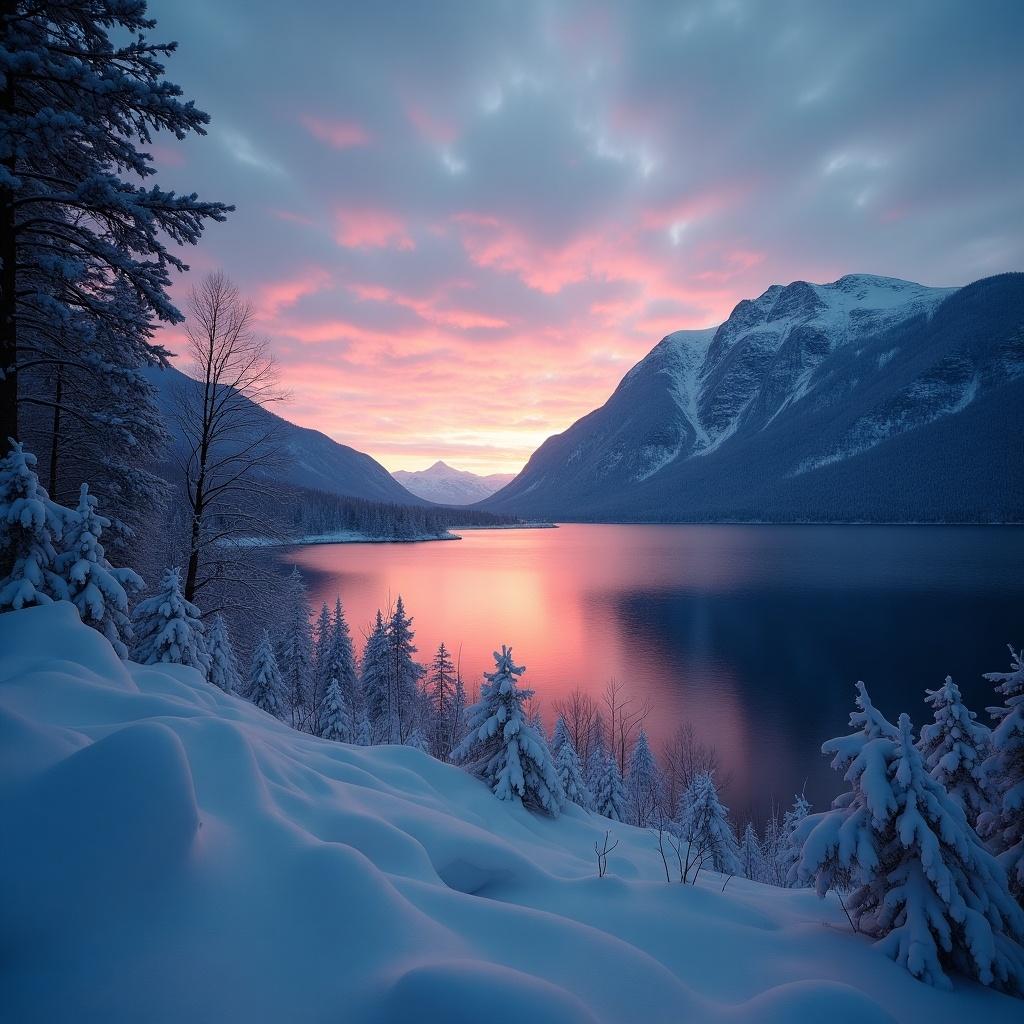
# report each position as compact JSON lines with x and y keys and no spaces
{"x":223,"y":672}
{"x":168,"y":629}
{"x":502,"y":749}
{"x":99,"y":591}
{"x":789,"y":846}
{"x":30,"y":525}
{"x":954,"y":747}
{"x":1003,"y":770}
{"x":922,"y":884}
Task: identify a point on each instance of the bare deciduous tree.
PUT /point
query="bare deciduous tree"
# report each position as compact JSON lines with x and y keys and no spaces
{"x":579,"y":712}
{"x":601,"y":851}
{"x":625,"y":716}
{"x":684,"y":757}
{"x":230,"y":440}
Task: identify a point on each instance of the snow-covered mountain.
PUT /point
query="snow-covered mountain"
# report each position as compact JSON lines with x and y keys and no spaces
{"x":449,"y":486}
{"x":817,"y":402}
{"x":310,"y":459}
{"x":171,"y":853}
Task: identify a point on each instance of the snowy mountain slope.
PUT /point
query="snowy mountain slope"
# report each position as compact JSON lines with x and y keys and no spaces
{"x":311,"y":459}
{"x":173,"y":854}
{"x":805,"y":379}
{"x":446,"y":485}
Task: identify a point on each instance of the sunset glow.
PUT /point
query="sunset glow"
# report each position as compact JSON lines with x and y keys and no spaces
{"x":459,"y":244}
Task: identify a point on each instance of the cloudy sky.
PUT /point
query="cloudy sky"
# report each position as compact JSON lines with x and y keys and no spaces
{"x":461,"y":223}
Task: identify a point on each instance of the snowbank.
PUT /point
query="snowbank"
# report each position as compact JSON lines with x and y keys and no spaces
{"x":170,"y":853}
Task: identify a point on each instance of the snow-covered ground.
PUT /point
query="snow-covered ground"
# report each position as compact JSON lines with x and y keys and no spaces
{"x":341,"y":537}
{"x":170,"y":853}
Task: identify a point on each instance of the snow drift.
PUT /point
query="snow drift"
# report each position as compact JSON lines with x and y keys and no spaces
{"x":172,"y":853}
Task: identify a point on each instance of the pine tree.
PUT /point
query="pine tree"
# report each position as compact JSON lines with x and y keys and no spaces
{"x":789,"y":846}
{"x":405,"y":676}
{"x":1003,"y":770}
{"x":596,"y":756}
{"x":361,"y":729}
{"x":751,"y":856}
{"x":94,"y":587}
{"x":440,"y":689}
{"x":30,"y":524}
{"x":376,"y":682}
{"x":706,"y":836}
{"x":954,"y":747}
{"x":82,"y":86}
{"x":337,"y":715}
{"x":334,"y":657}
{"x":643,"y":783}
{"x":772,"y":848}
{"x":265,"y":684}
{"x":560,"y":736}
{"x":923,"y":885}
{"x":503,"y":749}
{"x":294,"y":652}
{"x":609,"y":793}
{"x":418,"y":741}
{"x":570,"y":775}
{"x":223,"y":664}
{"x":168,"y":629}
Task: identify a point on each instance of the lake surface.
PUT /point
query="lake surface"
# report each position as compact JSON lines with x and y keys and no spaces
{"x":755,"y":634}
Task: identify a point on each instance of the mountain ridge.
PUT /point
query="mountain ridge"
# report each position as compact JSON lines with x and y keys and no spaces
{"x":447,"y":485}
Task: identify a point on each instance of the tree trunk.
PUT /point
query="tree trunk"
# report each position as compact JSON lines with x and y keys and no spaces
{"x":58,"y":396}
{"x":8,"y":279}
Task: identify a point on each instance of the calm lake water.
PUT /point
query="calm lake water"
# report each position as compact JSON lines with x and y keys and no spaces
{"x":755,"y":634}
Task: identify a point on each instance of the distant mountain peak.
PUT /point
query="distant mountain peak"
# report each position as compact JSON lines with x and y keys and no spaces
{"x":450,"y":486}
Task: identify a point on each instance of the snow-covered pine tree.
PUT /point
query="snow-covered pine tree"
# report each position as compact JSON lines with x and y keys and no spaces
{"x":596,"y":755}
{"x":771,"y":847}
{"x":418,"y":740}
{"x":923,"y":885}
{"x":361,"y":728}
{"x":294,"y":652}
{"x":502,"y":749}
{"x":1003,"y":770}
{"x":405,"y":676}
{"x":168,"y":629}
{"x":83,"y":86}
{"x":789,"y":846}
{"x":30,"y":525}
{"x":224,"y":672}
{"x":954,"y":747}
{"x":643,"y":783}
{"x":99,"y":591}
{"x":706,"y":835}
{"x":560,"y":736}
{"x":334,"y":657}
{"x":751,"y":856}
{"x":440,"y":692}
{"x":337,"y":715}
{"x":376,"y":682}
{"x":265,"y":684}
{"x":570,"y":775}
{"x":609,"y":793}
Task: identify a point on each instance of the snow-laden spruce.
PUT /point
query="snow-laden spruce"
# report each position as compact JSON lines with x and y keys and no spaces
{"x":375,"y":682}
{"x":570,"y":775}
{"x":607,"y":788}
{"x":1004,"y":772}
{"x":223,"y":672}
{"x":98,"y":590}
{"x":30,"y":526}
{"x":705,"y":834}
{"x":168,"y":628}
{"x":643,"y":783}
{"x":444,"y":703}
{"x":265,"y":684}
{"x":789,"y":845}
{"x":922,"y":884}
{"x":751,"y":856}
{"x":294,"y":652}
{"x":406,"y":674}
{"x":559,"y":736}
{"x":954,"y":747}
{"x":501,"y":747}
{"x":337,"y":716}
{"x":334,"y":657}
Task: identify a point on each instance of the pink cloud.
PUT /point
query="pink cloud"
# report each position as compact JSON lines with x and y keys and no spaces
{"x":432,"y":309}
{"x":278,"y":295}
{"x":438,"y":130}
{"x":362,"y":227}
{"x":336,"y":133}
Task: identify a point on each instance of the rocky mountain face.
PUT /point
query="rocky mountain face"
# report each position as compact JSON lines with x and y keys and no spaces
{"x":449,"y":486}
{"x":802,"y":406}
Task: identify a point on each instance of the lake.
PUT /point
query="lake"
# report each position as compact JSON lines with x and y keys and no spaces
{"x":754,"y":634}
